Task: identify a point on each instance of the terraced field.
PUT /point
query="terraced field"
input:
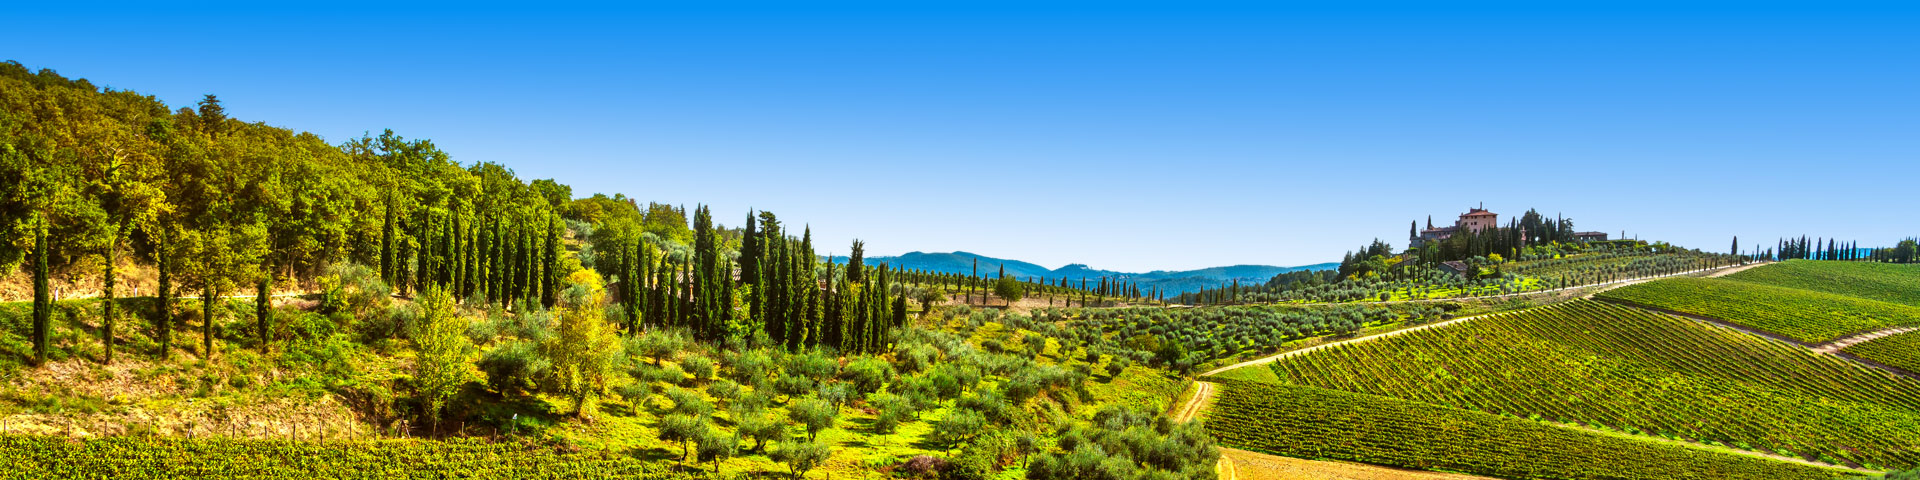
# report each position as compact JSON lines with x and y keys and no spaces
{"x":1804,"y":315}
{"x":1899,"y":351}
{"x":157,"y":457}
{"x":1318,"y":423}
{"x":1885,"y":282}
{"x":1638,"y":372}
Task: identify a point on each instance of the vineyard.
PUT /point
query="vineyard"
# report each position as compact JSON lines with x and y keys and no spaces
{"x":1412,"y":280}
{"x":1208,"y":334}
{"x":1803,"y":315}
{"x":157,"y":457}
{"x":1316,"y":423}
{"x":1899,"y":351}
{"x":1637,"y":372}
{"x":1885,"y":282}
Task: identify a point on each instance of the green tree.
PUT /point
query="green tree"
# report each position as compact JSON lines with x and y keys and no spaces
{"x":682,"y":428}
{"x":444,"y":364}
{"x":1008,"y":289}
{"x":42,"y":298}
{"x":716,"y":447}
{"x":815,"y":414}
{"x":801,"y":457}
{"x":585,"y":351}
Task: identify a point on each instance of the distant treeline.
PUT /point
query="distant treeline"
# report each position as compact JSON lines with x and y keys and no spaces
{"x":1907,"y":250}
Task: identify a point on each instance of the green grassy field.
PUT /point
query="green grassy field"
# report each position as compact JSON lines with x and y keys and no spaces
{"x":1899,"y":351}
{"x":1803,"y":315}
{"x":1633,"y":371}
{"x":1885,"y":282}
{"x":1326,"y":424}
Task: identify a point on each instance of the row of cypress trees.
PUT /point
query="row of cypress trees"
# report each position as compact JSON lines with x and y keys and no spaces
{"x":1810,"y":248}
{"x":774,"y":286}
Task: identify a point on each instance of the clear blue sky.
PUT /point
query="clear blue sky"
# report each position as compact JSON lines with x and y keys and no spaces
{"x":1125,"y":136}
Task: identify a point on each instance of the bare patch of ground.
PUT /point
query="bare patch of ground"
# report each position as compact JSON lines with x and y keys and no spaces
{"x":1248,"y":465}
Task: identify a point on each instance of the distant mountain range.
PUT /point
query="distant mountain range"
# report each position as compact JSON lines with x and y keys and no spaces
{"x":1172,"y":282}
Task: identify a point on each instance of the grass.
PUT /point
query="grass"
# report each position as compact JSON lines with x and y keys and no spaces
{"x":1885,"y":282}
{"x":1802,"y":315}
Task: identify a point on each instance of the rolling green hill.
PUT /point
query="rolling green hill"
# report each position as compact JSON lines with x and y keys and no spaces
{"x":1885,"y":282}
{"x":1630,"y":370}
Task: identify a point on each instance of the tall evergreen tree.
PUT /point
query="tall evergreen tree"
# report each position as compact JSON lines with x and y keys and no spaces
{"x":42,"y":293}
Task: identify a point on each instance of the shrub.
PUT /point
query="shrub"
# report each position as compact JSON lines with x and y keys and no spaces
{"x":725,"y":390}
{"x":959,"y":426}
{"x":756,"y":425}
{"x":813,"y":413}
{"x":681,"y":428}
{"x":801,"y":457}
{"x":687,"y":402}
{"x":867,"y":374}
{"x":512,"y":366}
{"x":700,"y":366}
{"x":715,"y":446}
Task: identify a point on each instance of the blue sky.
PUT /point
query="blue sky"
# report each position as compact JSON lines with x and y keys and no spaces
{"x":1127,"y":136}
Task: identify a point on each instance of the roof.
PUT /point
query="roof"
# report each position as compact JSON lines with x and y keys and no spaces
{"x":1479,"y":213}
{"x":1590,"y":233}
{"x":1440,"y":229}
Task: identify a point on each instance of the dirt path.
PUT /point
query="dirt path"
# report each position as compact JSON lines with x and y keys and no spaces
{"x":1734,"y":270}
{"x":1836,"y":345}
{"x":1261,"y":466}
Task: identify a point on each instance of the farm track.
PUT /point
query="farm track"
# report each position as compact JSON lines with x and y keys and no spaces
{"x":1836,"y":345}
{"x":1204,"y":390}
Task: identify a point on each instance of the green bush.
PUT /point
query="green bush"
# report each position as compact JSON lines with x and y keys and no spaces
{"x":511,"y":367}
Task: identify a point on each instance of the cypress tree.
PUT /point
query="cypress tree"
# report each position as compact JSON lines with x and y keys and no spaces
{"x":750,"y":253}
{"x":42,"y":293}
{"x":550,"y":269}
{"x":107,"y":304}
{"x":856,"y":266}
{"x":263,"y":307}
{"x":207,"y":299}
{"x":386,"y":242}
{"x":423,"y":260}
{"x":164,"y":324}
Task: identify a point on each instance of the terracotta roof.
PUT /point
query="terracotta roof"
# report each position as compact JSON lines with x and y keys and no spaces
{"x":1479,"y":213}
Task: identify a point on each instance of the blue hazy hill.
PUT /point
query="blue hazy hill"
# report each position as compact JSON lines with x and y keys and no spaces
{"x":1172,"y":282}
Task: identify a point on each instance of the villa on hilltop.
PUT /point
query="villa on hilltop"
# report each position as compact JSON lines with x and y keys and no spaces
{"x":1477,"y":219}
{"x":1474,"y":220}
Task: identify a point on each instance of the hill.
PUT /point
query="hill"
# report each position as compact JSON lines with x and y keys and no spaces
{"x":1172,"y":282}
{"x":1637,"y":372}
{"x":1886,"y":282}
{"x":1802,"y":315}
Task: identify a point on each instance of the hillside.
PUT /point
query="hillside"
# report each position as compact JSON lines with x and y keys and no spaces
{"x":1171,"y":282}
{"x":1885,"y":282}
{"x":1802,"y":315}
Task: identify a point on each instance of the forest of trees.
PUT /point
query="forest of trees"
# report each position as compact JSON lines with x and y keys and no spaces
{"x":96,"y":179}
